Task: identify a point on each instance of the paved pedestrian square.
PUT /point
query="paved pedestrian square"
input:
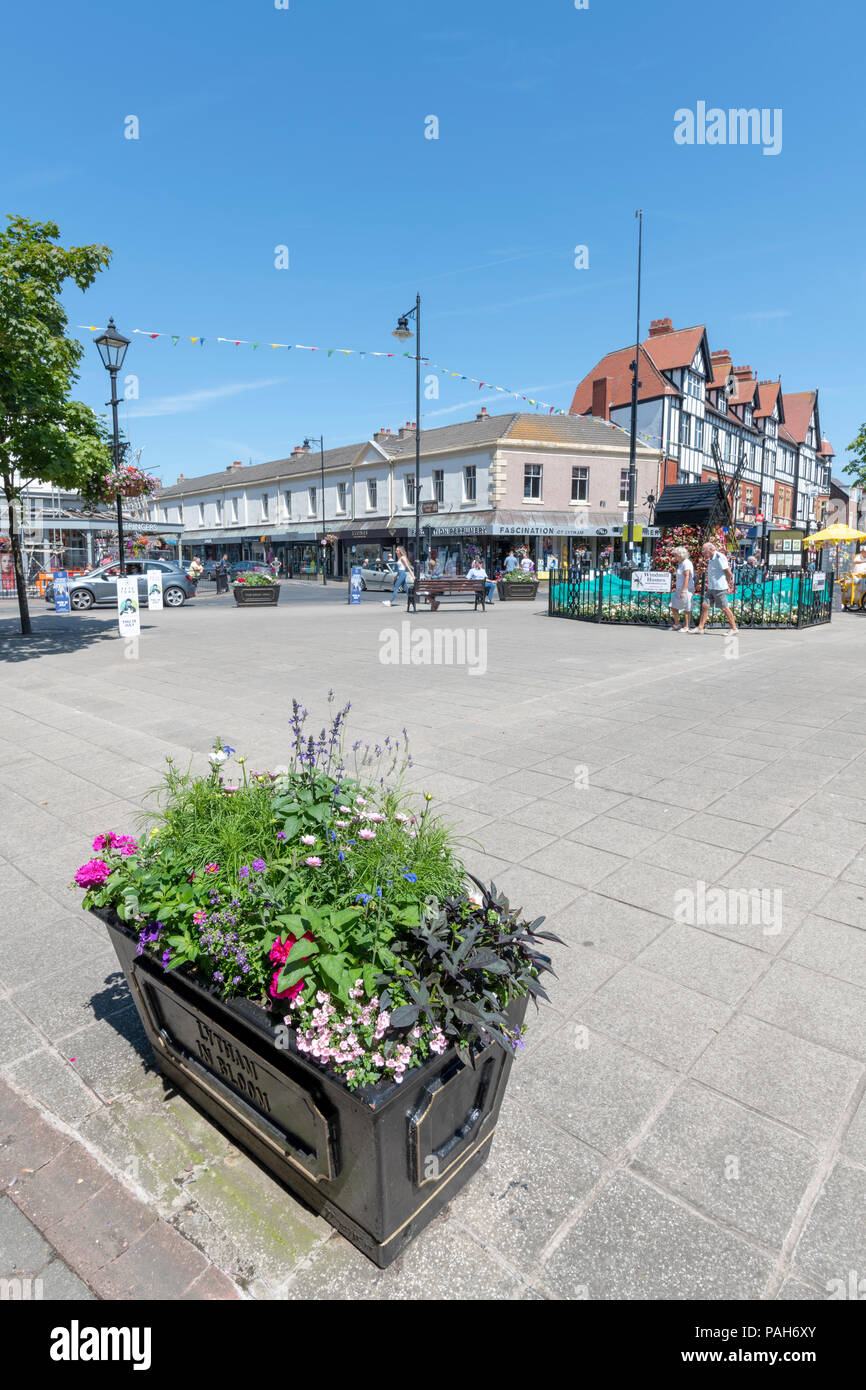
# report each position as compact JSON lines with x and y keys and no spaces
{"x":688,"y":1118}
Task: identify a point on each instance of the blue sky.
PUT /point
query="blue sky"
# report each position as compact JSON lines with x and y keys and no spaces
{"x":305,"y":127}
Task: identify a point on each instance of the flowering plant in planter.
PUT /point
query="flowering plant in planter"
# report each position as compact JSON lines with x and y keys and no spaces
{"x":254,"y":579}
{"x":324,"y":894}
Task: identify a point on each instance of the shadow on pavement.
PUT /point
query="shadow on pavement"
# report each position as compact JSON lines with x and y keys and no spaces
{"x":54,"y":634}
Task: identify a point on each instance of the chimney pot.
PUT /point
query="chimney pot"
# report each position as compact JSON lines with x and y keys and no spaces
{"x":660,"y":326}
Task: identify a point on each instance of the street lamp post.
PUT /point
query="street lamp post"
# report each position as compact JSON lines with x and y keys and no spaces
{"x":311,"y":439}
{"x":403,"y":332}
{"x":112,"y":349}
{"x":632,"y":448}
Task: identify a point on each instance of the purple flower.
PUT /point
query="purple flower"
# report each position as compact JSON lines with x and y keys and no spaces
{"x":259,"y":865}
{"x":244,"y":871}
{"x":281,"y":835}
{"x":166,"y":957}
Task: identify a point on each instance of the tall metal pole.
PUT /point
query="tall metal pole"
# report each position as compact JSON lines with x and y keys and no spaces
{"x":324,"y":532}
{"x":632,"y":464}
{"x":121,"y":547}
{"x":418,"y":436}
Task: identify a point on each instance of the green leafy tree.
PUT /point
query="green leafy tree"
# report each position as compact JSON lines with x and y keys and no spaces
{"x":856,"y":468}
{"x":43,"y":434}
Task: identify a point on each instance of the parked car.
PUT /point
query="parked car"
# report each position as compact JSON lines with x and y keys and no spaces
{"x":249,"y":567}
{"x":99,"y":586}
{"x":378,"y":574}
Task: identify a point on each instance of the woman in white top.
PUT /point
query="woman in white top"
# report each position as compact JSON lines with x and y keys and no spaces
{"x":684,"y":589}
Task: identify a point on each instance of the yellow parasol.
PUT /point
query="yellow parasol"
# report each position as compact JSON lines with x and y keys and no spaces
{"x":835,"y":535}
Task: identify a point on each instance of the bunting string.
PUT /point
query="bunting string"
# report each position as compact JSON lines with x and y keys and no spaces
{"x":197,"y":338}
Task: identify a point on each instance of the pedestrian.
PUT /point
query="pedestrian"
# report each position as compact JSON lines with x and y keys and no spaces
{"x":405,"y":576}
{"x":510,"y":562}
{"x":526,"y":565}
{"x":477,"y":571}
{"x":720,"y":582}
{"x":684,"y":589}
{"x":195,"y":570}
{"x":222,"y":575}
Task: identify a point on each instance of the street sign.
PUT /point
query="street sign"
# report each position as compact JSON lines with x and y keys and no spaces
{"x":355,"y":585}
{"x":60,"y":580}
{"x":428,"y":508}
{"x":128,"y":619}
{"x":154,"y":588}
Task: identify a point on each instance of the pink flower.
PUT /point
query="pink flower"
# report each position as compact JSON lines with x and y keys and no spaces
{"x":199,"y":917}
{"x":314,"y":861}
{"x":308,"y":839}
{"x":92,"y":874}
{"x":367,"y":834}
{"x":279,"y":953}
{"x":211,"y":868}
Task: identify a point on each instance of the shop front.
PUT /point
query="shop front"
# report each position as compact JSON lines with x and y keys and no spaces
{"x":364,"y":543}
{"x":549,"y":540}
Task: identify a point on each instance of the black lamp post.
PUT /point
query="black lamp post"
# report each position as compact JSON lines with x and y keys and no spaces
{"x":632,"y":464}
{"x":112,"y":349}
{"x":311,"y":439}
{"x":403,"y":332}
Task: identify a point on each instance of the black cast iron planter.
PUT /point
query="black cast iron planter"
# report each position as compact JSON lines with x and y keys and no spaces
{"x":377,"y":1163}
{"x":517,"y":589}
{"x":256,"y":594}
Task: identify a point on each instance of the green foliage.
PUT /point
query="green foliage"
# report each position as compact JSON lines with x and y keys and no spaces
{"x":856,"y":468}
{"x":43,"y":434}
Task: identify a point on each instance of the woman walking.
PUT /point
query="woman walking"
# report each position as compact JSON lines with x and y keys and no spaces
{"x":405,"y":576}
{"x":684,"y":589}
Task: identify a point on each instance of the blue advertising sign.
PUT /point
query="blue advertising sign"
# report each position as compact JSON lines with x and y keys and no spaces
{"x":355,"y":585}
{"x":60,"y":580}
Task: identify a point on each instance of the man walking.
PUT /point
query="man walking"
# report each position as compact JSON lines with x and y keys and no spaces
{"x":222,"y":575}
{"x":720,"y":582}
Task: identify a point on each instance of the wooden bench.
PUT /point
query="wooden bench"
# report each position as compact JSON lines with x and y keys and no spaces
{"x":445,"y":586}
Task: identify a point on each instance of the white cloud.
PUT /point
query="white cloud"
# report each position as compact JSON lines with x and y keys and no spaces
{"x":196,"y":400}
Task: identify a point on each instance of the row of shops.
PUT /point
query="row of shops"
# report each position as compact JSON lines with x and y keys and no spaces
{"x":453,"y":544}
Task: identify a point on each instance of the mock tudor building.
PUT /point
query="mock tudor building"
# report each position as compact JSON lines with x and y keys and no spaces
{"x":691,"y":398}
{"x":552,"y":482}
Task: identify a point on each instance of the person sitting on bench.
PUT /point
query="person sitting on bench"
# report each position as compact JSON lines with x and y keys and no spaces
{"x":479,"y":572}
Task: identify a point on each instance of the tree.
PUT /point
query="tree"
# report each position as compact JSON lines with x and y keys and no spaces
{"x":43,"y":434}
{"x":857,"y":467}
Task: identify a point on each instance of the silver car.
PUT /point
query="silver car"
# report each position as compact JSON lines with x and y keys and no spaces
{"x":100,"y":585}
{"x":378,"y":574}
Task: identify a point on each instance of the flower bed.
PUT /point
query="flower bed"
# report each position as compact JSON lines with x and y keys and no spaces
{"x":337,"y":913}
{"x":255,"y":588}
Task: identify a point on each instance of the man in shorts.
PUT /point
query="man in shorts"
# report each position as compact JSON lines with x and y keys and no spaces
{"x":720,"y":583}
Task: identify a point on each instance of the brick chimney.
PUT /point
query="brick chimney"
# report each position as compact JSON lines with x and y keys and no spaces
{"x":659,"y":327}
{"x":237,"y":464}
{"x":483,"y":414}
{"x":600,"y":388}
{"x":298,"y":449}
{"x":381,"y":434}
{"x":408,"y":428}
